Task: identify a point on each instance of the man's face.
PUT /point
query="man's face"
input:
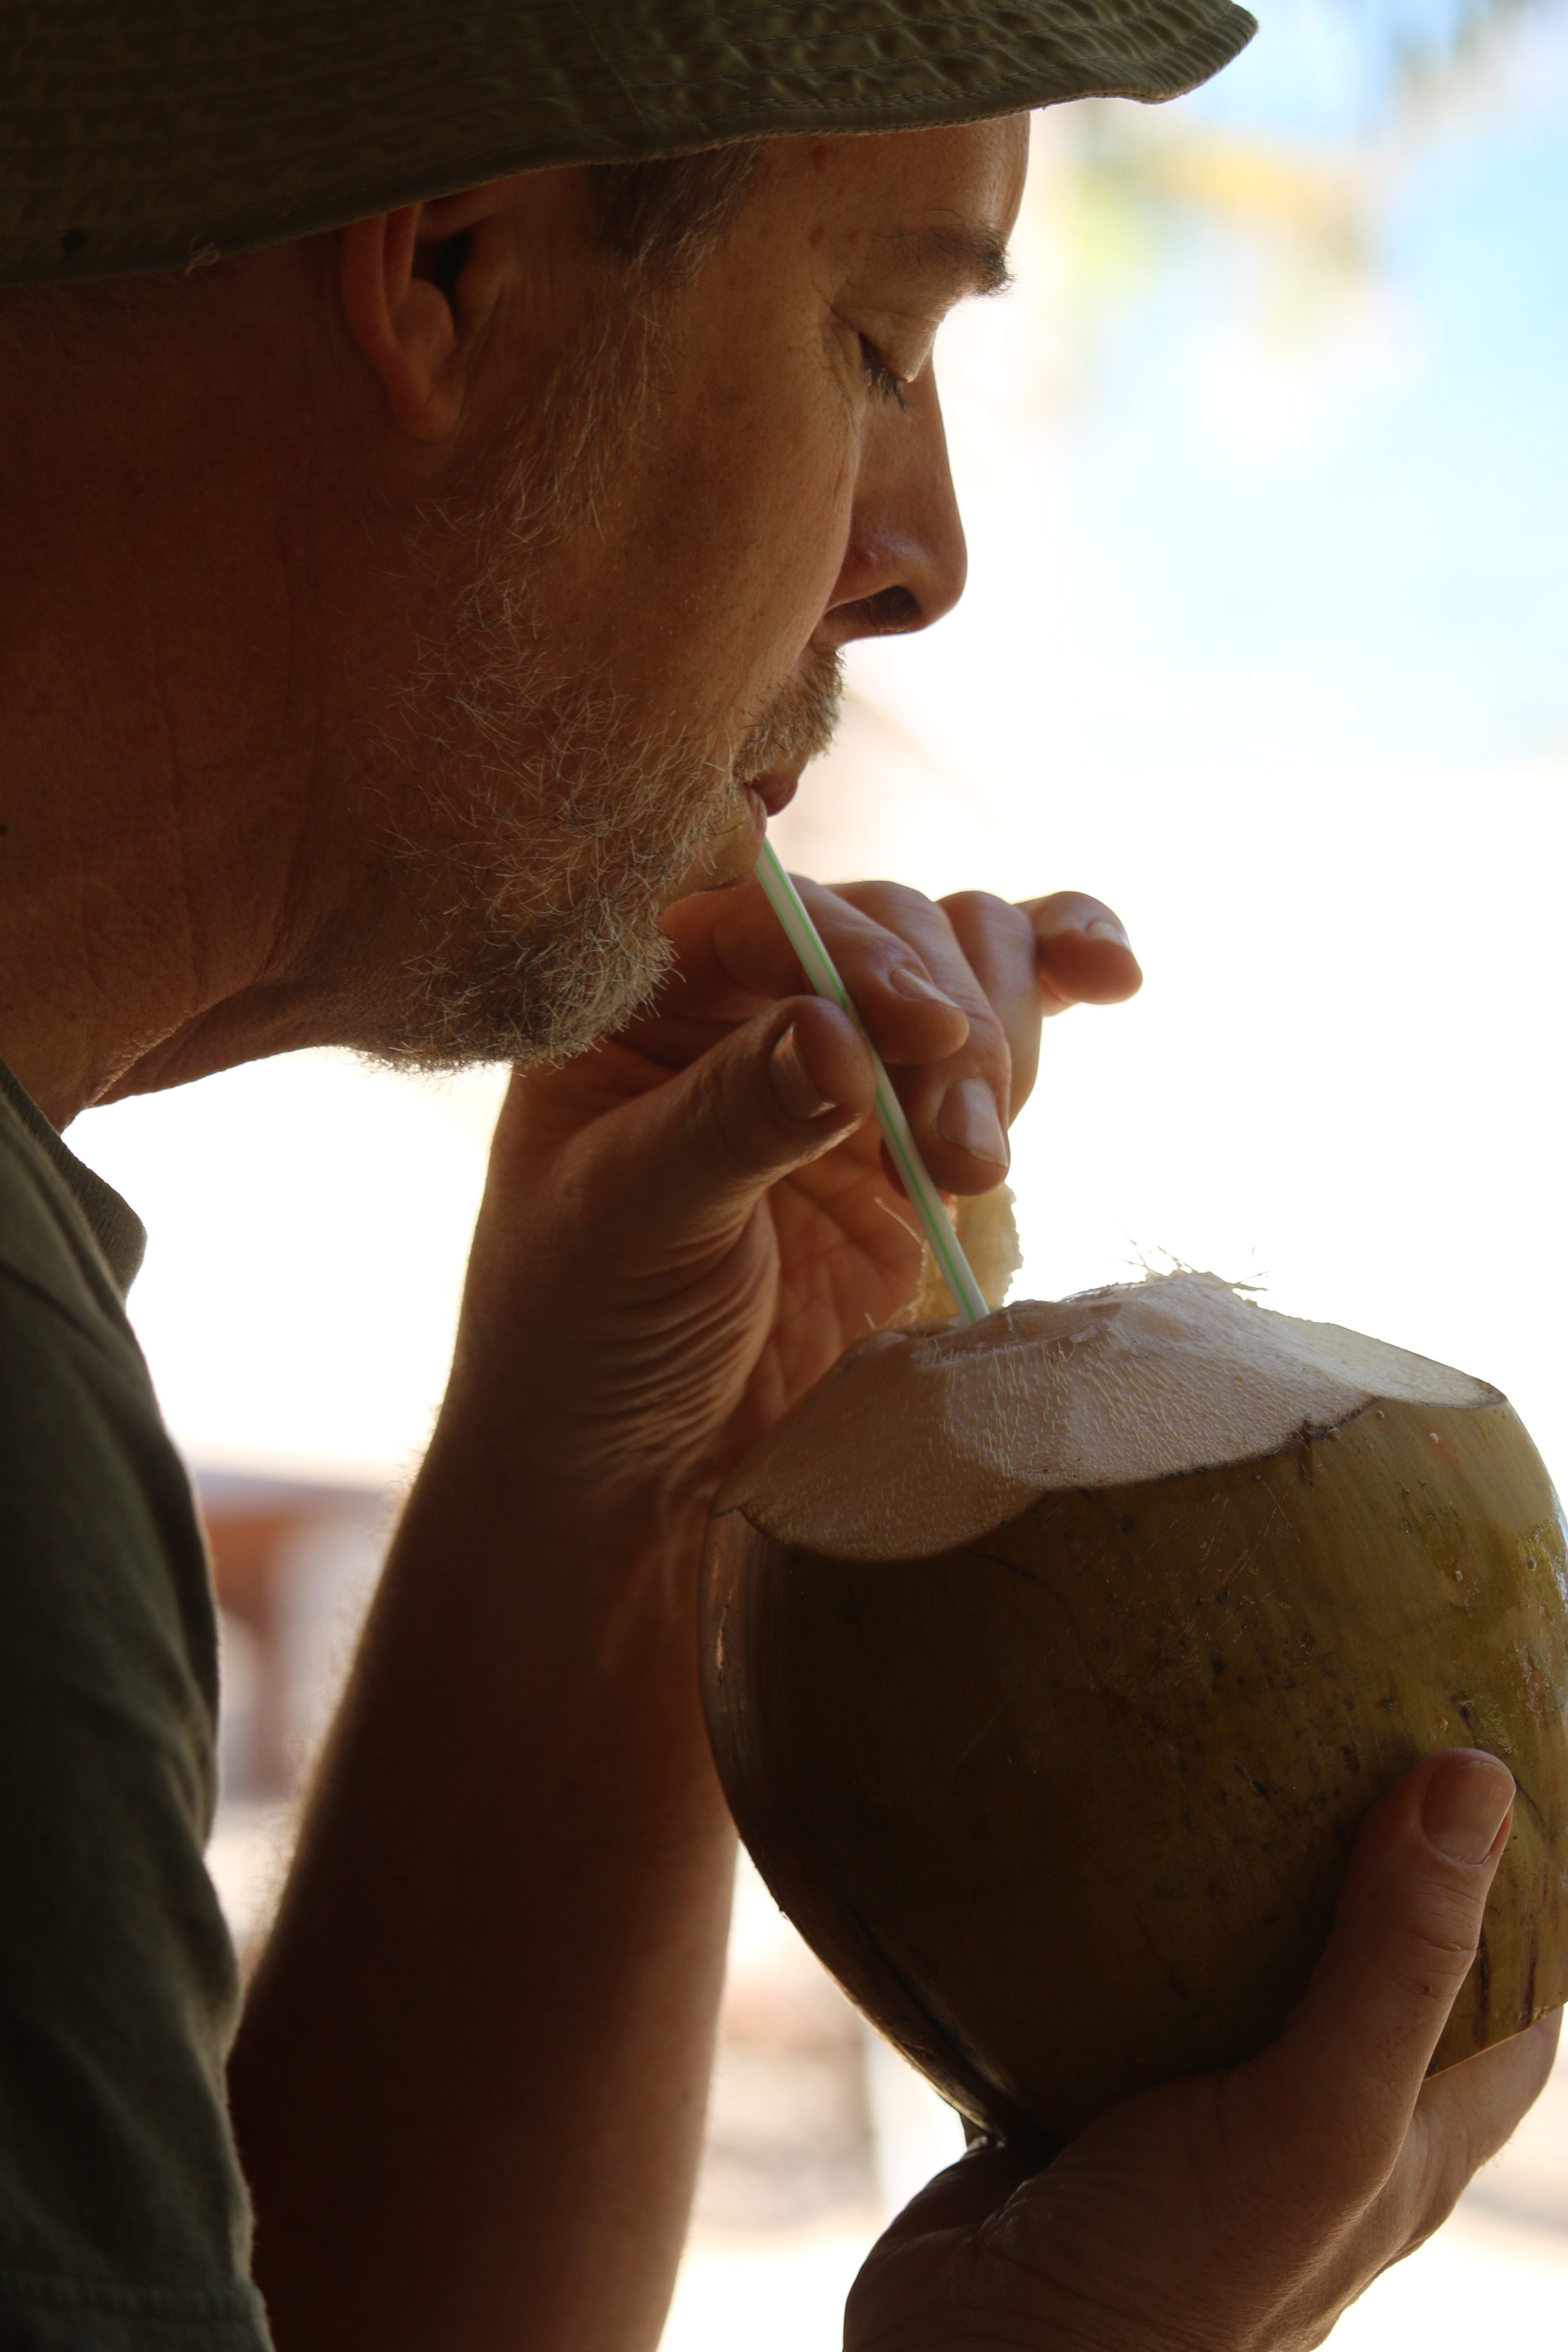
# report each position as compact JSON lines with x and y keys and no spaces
{"x":634,"y":596}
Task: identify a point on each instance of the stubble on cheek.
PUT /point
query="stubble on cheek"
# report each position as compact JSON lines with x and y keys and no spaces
{"x":548,"y":850}
{"x":535,"y":820}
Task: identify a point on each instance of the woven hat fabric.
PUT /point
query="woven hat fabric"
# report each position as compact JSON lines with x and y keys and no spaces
{"x":147,"y":134}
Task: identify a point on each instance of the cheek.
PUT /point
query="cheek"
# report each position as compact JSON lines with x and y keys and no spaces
{"x":744,"y":535}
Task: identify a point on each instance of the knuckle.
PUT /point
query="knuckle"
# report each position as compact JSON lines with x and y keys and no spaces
{"x":1049,"y":912}
{"x":711,"y":1124}
{"x":983,"y":907}
{"x":885,"y":902}
{"x":988,"y":1041}
{"x":716,"y":1124}
{"x":1438,"y":1936}
{"x":1057,"y":904}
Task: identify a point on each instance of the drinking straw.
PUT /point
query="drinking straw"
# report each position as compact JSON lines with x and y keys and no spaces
{"x":821,"y":972}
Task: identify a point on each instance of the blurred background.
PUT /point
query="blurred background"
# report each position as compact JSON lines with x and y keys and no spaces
{"x":1264,"y":472}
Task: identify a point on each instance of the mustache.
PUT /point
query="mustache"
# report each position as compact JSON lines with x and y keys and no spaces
{"x":799,"y":724}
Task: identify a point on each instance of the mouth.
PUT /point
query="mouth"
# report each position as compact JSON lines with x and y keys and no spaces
{"x":731,"y":855}
{"x":774,"y":792}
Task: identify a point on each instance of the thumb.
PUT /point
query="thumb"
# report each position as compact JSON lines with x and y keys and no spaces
{"x":1343,"y":2079}
{"x":701,"y":1149}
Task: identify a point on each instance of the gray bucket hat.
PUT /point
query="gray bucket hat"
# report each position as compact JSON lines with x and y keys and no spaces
{"x":156,"y":134}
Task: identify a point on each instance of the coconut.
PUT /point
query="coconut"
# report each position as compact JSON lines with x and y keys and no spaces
{"x":1052,"y":1664}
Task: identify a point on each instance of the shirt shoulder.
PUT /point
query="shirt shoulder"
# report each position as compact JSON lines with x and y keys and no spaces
{"x":124,"y":2219}
{"x":63,"y":1231}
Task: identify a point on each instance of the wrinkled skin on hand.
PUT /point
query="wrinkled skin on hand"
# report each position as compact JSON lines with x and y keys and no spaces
{"x":1242,"y":2211}
{"x":672,"y":1246}
{"x":682,"y":1230}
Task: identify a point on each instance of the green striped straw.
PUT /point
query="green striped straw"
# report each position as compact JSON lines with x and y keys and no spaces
{"x":821,"y":973}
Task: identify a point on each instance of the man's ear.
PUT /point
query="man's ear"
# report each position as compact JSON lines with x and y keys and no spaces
{"x":418,"y":287}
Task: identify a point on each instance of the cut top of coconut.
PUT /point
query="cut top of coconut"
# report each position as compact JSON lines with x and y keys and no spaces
{"x":922,"y":1439}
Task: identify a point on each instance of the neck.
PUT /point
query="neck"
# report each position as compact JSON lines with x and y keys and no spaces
{"x":135,"y":896}
{"x":159,"y":746}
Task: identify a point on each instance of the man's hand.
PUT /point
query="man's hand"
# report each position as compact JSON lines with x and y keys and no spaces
{"x":686,"y":1227}
{"x":1242,"y":2211}
{"x":471,"y":2079}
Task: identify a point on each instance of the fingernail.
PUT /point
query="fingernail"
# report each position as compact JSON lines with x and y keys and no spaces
{"x":1465,"y":1806}
{"x":798,"y":1093}
{"x":968,"y":1117}
{"x":1106,"y":926}
{"x":905,"y":980}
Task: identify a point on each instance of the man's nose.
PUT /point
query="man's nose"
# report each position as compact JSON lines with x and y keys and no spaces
{"x":906,"y":561}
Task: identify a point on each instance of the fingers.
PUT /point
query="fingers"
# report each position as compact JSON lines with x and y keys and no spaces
{"x":944,"y":1040}
{"x":691,"y":1157}
{"x":1005,"y":967}
{"x":1467,"y":2113}
{"x":1344,"y":2079}
{"x":1462,"y":2118}
{"x":735,"y":958}
{"x":961,"y":1097}
{"x":952,"y":994}
{"x":1085,"y":957}
{"x":966,"y":2194}
{"x":996,"y":942}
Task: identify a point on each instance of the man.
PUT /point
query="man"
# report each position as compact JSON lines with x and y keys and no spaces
{"x":412,"y":616}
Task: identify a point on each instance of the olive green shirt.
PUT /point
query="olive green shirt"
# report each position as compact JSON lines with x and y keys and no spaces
{"x":124,"y":2219}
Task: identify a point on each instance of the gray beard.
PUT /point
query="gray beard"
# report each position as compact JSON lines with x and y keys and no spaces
{"x":555,"y":831}
{"x":537,"y":826}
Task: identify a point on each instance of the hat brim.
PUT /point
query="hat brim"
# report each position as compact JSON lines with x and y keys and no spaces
{"x":159,"y":134}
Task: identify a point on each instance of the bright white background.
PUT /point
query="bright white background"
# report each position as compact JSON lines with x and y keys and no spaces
{"x":1263,"y":468}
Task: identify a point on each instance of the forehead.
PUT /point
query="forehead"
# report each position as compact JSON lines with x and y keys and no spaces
{"x":939,"y":204}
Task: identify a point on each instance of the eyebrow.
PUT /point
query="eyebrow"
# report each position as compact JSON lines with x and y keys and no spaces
{"x":972,"y":259}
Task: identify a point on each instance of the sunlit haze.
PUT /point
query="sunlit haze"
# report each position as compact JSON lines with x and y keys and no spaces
{"x":1264,"y":472}
{"x":1262,"y":469}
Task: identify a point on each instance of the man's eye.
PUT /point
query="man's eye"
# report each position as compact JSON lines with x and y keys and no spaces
{"x":880,"y":375}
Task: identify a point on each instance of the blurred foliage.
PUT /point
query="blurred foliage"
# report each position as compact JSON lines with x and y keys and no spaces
{"x":1430,"y":51}
{"x":1118,"y":191}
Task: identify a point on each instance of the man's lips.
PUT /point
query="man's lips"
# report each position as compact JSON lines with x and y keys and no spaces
{"x":775,"y":792}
